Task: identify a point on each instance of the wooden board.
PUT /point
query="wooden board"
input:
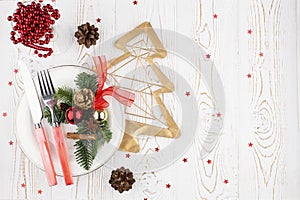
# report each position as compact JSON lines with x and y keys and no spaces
{"x":262,"y":110}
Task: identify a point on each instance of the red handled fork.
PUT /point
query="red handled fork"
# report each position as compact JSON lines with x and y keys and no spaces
{"x":48,"y":90}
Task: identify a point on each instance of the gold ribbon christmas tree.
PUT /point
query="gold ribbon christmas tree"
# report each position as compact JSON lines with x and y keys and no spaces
{"x":136,"y":50}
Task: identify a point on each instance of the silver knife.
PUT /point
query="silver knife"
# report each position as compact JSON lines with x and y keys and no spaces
{"x":37,"y":115}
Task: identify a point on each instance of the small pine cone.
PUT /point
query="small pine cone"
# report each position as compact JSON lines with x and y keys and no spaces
{"x":87,"y":34}
{"x":121,"y":179}
{"x":84,"y":98}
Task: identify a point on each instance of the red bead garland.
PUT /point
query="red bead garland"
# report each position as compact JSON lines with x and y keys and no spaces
{"x":33,"y":24}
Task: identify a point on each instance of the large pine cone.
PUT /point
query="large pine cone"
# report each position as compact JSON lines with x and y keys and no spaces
{"x":87,"y":34}
{"x":121,"y":179}
{"x":84,"y":98}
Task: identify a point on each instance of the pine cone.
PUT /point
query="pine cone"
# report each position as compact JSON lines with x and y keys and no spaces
{"x":84,"y":98}
{"x":121,"y":179}
{"x":87,"y":34}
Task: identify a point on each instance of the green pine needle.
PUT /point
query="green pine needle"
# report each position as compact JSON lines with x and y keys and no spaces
{"x":94,"y":149}
{"x":64,"y":94}
{"x":82,"y":128}
{"x":107,"y":134}
{"x":60,"y":115}
{"x":84,"y":153}
{"x":85,"y":80}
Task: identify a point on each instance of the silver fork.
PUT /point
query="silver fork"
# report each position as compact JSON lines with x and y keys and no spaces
{"x":47,"y":91}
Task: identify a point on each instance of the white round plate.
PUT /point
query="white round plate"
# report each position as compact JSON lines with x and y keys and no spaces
{"x":65,"y":75}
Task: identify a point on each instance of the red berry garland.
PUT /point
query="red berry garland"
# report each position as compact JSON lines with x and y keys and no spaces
{"x":33,"y":24}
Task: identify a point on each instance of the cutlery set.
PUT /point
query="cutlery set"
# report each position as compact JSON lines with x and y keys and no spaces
{"x":47,"y":91}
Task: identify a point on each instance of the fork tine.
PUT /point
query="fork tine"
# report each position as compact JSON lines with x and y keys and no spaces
{"x":43,"y":81}
{"x":51,"y":84}
{"x":47,"y":83}
{"x":40,"y":84}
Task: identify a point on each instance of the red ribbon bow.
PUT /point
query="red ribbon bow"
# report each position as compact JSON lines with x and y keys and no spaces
{"x":124,"y":97}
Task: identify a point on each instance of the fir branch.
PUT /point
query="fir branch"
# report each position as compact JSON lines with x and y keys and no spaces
{"x":82,"y":128}
{"x":64,"y":94}
{"x":60,"y":115}
{"x":94,"y":149}
{"x":85,"y":80}
{"x":84,"y":153}
{"x":107,"y":134}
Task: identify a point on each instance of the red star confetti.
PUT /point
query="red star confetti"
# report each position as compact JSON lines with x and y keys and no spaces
{"x":219,"y":114}
{"x":168,"y":186}
{"x":250,"y":144}
{"x":249,"y":75}
{"x":187,"y":94}
{"x":157,"y":149}
{"x":226,"y":181}
{"x":215,"y":16}
{"x":261,"y":54}
{"x":98,"y":20}
{"x":10,"y":142}
{"x":10,"y":83}
{"x":184,"y":160}
{"x":23,"y":185}
{"x":16,"y":71}
{"x":53,"y":1}
{"x":40,"y":191}
{"x":4,"y":114}
{"x":208,"y":161}
{"x":127,"y":155}
{"x":135,"y":2}
{"x":249,"y":31}
{"x":208,"y":56}
{"x":145,"y":199}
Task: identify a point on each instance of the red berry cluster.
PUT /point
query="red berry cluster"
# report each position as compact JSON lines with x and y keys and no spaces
{"x":33,"y":24}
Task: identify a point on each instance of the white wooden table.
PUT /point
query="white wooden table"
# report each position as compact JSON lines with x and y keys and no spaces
{"x":250,"y":37}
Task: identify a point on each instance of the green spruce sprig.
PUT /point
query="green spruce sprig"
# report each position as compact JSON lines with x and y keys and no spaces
{"x":105,"y":131}
{"x":64,"y":94}
{"x":85,"y":80}
{"x":60,"y":115}
{"x":86,"y":151}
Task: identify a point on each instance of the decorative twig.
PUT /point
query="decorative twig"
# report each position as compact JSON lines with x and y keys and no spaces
{"x":76,"y":136}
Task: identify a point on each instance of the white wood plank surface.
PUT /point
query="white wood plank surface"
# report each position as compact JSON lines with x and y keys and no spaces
{"x":262,"y":110}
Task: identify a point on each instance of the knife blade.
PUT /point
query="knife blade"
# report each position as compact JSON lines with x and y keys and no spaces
{"x":37,"y":115}
{"x":31,"y":94}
